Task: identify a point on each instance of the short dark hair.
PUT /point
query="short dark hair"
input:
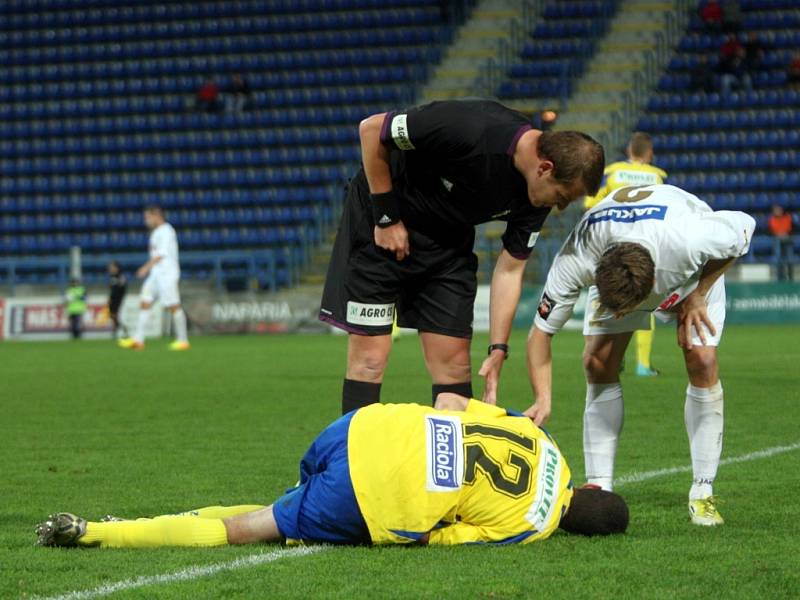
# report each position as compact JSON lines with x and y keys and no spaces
{"x":595,"y":512}
{"x":640,"y":144}
{"x":154,"y":208}
{"x":624,"y":276}
{"x":574,"y":155}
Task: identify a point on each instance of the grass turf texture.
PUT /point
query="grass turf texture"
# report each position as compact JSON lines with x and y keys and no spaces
{"x":95,"y":430}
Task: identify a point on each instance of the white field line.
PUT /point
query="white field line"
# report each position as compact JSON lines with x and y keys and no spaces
{"x":189,"y":573}
{"x":638,"y":477}
{"x":260,"y":558}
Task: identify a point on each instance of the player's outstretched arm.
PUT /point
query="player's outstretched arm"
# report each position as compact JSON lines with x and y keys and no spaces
{"x":504,"y":298}
{"x":540,"y":372}
{"x":142,"y":271}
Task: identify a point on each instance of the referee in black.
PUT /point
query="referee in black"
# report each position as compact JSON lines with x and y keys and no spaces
{"x":429,"y":175}
{"x":118,"y":285}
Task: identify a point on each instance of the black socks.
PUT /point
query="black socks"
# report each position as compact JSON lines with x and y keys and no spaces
{"x":358,"y":394}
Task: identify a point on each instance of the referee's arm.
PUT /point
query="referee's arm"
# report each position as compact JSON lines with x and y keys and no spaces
{"x":375,"y":158}
{"x":504,"y":296}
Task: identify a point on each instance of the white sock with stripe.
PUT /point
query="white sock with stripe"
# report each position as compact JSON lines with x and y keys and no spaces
{"x":179,"y":321}
{"x":703,"y":414}
{"x":602,"y":424}
{"x":141,"y":323}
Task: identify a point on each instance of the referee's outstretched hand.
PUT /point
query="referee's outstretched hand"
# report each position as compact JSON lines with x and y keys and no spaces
{"x":490,"y":370}
{"x":394,"y":239}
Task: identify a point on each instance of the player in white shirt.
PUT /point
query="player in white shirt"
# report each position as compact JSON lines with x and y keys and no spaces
{"x":642,"y":250}
{"x":161,"y":275}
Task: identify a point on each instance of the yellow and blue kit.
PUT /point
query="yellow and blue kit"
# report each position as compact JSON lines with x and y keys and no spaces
{"x":625,"y":173}
{"x":392,"y":473}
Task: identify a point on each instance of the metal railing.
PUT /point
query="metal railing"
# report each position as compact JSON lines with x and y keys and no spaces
{"x":260,"y":267}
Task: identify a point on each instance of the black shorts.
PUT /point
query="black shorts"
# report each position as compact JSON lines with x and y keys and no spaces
{"x":432,"y":289}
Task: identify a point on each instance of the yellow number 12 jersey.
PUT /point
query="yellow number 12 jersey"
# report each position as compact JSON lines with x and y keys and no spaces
{"x":476,"y":476}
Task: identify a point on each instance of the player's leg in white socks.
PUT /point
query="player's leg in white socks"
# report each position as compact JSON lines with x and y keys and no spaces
{"x":141,"y":322}
{"x":179,"y":321}
{"x":703,"y":415}
{"x":704,"y":424}
{"x":602,"y":424}
{"x":603,"y":415}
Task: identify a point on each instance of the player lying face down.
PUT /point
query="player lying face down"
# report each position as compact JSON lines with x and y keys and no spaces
{"x":393,"y":474}
{"x":643,"y":250}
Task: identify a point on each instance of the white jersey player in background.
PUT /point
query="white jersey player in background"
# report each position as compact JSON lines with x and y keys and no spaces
{"x":642,"y":250}
{"x":161,"y":274}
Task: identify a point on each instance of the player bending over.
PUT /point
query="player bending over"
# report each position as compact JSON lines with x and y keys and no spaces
{"x":645,"y":249}
{"x":161,"y":275}
{"x":393,"y":474}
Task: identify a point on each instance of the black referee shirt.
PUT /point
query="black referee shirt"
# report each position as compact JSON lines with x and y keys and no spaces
{"x":452,"y":164}
{"x":118,"y":284}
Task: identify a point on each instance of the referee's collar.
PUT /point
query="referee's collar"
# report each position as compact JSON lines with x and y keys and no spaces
{"x":512,"y":147}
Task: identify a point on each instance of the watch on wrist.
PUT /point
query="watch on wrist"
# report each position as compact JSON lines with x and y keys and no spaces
{"x":503,"y":347}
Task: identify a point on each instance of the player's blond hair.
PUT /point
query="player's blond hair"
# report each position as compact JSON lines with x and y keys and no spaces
{"x":640,"y":145}
{"x":624,"y":276}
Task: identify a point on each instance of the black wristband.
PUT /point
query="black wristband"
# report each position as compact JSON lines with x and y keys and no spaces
{"x":503,"y":347}
{"x":384,"y":209}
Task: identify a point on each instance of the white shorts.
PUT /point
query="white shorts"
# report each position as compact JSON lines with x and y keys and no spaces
{"x":163,"y":287}
{"x":598,"y":321}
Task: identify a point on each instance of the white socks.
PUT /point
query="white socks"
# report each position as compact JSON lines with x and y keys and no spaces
{"x":602,"y":424}
{"x":704,"y":424}
{"x":179,"y":321}
{"x":141,"y":323}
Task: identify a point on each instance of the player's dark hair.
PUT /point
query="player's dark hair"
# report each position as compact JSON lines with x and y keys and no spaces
{"x":595,"y":512}
{"x":640,"y":144}
{"x":155,"y":209}
{"x":624,"y":276}
{"x":575,"y":156}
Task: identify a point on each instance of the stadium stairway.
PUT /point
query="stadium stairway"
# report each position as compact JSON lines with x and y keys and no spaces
{"x":477,"y":41}
{"x":606,"y":100}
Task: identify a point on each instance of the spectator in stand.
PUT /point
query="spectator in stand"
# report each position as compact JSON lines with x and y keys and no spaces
{"x":701,"y":76}
{"x":754,"y":52}
{"x":207,"y":98}
{"x":780,"y":226}
{"x":731,"y":48}
{"x":241,"y":94}
{"x":712,"y":16}
{"x":732,"y":66}
{"x":731,"y":15}
{"x":793,"y":72}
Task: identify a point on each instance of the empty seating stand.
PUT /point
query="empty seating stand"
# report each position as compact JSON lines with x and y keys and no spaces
{"x":739,"y":151}
{"x":558,"y":49}
{"x":96,"y":121}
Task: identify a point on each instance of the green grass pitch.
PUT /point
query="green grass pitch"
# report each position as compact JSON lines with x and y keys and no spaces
{"x":92,"y":429}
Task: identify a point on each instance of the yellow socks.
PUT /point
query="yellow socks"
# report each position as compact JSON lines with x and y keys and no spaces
{"x":222,"y":512}
{"x":644,"y":345}
{"x":168,"y":530}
